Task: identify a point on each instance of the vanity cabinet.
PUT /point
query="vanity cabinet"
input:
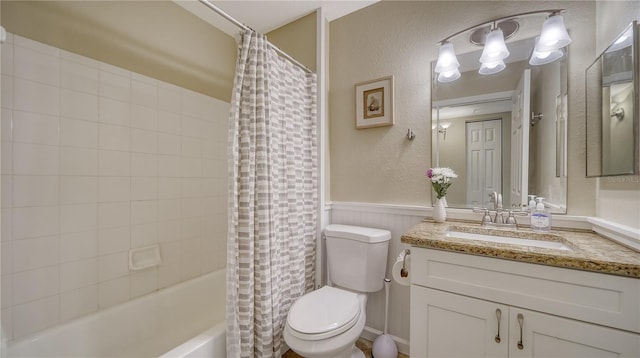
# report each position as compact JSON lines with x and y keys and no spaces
{"x":545,"y":335}
{"x":452,"y":325}
{"x":472,"y":306}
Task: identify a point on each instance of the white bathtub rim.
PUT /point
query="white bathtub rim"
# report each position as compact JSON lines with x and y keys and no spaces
{"x":184,"y":350}
{"x":18,"y":343}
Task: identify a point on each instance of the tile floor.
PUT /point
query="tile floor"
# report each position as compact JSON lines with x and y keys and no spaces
{"x":361,"y":343}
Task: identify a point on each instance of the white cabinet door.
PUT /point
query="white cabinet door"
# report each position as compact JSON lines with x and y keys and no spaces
{"x":450,"y":325}
{"x":549,"y":336}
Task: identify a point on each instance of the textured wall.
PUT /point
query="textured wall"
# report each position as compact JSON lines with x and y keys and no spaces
{"x":154,"y":38}
{"x":298,"y":39}
{"x":400,"y":38}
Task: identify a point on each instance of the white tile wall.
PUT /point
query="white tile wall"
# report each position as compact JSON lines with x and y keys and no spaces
{"x":97,"y":160}
{"x":78,"y":302}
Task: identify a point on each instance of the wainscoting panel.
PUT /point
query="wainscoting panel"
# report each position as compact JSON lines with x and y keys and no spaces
{"x":397,"y":220}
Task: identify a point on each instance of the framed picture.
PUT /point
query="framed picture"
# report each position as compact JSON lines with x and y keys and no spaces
{"x":374,"y":103}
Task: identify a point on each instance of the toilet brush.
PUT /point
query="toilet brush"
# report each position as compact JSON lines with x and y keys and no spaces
{"x":383,"y":345}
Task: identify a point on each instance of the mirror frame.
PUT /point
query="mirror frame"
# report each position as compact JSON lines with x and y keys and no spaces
{"x":594,"y":112}
{"x":559,"y":168}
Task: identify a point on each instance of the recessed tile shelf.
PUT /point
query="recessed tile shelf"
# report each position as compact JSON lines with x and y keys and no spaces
{"x":144,"y":257}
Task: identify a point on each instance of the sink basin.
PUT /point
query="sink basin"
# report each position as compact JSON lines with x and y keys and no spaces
{"x":545,"y":244}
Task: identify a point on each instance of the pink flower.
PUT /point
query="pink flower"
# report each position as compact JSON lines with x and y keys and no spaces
{"x":441,"y":180}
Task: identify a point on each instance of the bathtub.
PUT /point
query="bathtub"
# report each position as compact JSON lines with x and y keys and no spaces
{"x":186,"y":320}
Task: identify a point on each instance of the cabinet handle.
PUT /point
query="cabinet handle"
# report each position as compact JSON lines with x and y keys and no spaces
{"x":498,"y":316}
{"x":521,"y":323}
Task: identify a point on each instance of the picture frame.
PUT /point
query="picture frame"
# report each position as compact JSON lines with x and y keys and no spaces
{"x":374,"y":103}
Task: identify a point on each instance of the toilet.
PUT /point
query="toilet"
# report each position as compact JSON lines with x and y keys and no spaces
{"x":327,"y":322}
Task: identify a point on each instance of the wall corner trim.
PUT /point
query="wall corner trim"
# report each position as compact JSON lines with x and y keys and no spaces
{"x":625,"y":235}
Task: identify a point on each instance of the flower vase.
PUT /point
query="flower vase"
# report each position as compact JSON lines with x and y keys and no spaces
{"x":439,"y":210}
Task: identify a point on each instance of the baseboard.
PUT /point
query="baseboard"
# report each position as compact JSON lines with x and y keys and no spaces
{"x":370,"y":334}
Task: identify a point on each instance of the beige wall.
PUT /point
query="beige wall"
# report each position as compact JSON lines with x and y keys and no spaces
{"x":298,"y":39}
{"x":400,"y":39}
{"x":158,"y":39}
{"x":618,"y":198}
{"x":475,"y":84}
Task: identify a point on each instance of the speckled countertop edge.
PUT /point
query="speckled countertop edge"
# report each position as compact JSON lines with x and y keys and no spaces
{"x":590,"y":251}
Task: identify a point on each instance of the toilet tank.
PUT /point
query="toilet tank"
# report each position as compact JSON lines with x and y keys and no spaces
{"x":357,"y":256}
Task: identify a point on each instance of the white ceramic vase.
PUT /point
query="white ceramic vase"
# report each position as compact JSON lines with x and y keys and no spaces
{"x":439,"y":210}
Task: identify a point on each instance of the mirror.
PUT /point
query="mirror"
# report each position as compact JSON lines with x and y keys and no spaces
{"x":504,"y":132}
{"x":611,"y":111}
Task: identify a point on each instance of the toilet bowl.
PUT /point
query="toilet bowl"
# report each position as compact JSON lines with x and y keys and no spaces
{"x":326,"y":323}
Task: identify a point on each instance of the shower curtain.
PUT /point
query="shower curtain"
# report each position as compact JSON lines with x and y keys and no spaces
{"x":272,"y":196}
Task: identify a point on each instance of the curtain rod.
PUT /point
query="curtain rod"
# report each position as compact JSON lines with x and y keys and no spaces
{"x":228,"y":17}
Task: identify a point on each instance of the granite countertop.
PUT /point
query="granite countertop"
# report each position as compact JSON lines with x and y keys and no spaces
{"x":589,"y":251}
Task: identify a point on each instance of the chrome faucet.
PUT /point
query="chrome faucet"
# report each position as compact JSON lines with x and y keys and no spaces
{"x":496,"y":199}
{"x":498,"y":220}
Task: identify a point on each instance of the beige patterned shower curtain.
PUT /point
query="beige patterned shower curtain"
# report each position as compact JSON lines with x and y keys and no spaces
{"x":272,"y":196}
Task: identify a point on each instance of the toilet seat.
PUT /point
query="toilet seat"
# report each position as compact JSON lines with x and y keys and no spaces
{"x":323,"y":313}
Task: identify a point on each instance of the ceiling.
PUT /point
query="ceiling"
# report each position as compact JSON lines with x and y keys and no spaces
{"x":265,"y":15}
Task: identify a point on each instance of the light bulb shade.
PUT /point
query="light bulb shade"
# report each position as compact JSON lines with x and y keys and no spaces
{"x":494,"y":47}
{"x":445,"y":125}
{"x":542,"y":58}
{"x":554,"y":35}
{"x":449,"y":76}
{"x":447,"y":60}
{"x":624,"y":40}
{"x":490,"y":68}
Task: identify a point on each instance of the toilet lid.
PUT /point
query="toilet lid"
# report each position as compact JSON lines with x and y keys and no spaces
{"x":323,"y":313}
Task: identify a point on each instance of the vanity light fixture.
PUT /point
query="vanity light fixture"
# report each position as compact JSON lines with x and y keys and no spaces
{"x":544,"y":57}
{"x":449,"y":76}
{"x":447,"y":65}
{"x":442,"y":128}
{"x":492,"y":67}
{"x":623,"y":41}
{"x":554,"y":35}
{"x":492,"y":35}
{"x":495,"y":50}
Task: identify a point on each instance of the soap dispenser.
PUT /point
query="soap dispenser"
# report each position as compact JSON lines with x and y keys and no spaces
{"x":532,"y":203}
{"x":540,"y":217}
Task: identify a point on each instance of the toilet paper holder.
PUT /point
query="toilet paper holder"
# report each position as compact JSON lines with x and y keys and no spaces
{"x":403,"y":271}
